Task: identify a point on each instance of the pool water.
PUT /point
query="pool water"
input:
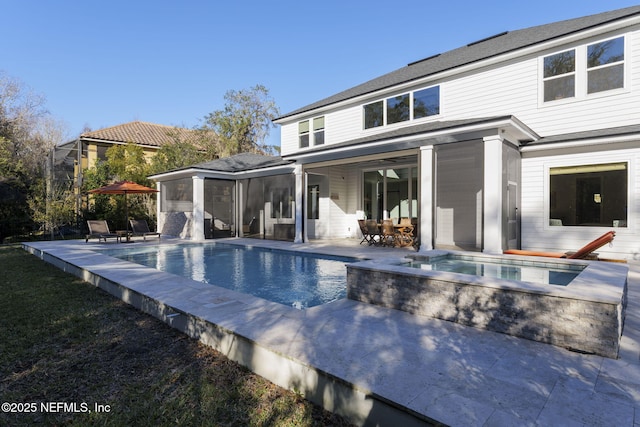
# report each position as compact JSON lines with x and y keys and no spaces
{"x":560,"y":275}
{"x":290,"y":278}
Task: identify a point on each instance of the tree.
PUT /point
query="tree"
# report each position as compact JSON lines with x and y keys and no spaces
{"x":245,"y":122}
{"x":124,"y":162}
{"x":27,"y":136}
{"x":202,"y":146}
{"x":128,"y":162}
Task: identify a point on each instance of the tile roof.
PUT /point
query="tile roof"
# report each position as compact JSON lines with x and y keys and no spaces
{"x":141,"y":133}
{"x":474,"y":52}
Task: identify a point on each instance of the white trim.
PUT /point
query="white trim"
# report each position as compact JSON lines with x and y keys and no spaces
{"x":603,"y":140}
{"x":273,"y":170}
{"x":421,"y":136}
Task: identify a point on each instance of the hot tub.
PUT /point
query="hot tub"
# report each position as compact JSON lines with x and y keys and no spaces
{"x":584,"y":312}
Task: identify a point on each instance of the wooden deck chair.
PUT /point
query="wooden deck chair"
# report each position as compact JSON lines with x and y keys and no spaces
{"x":100,"y":229}
{"x":581,"y":253}
{"x":373,"y":229}
{"x":139,"y":227}
{"x":364,"y":231}
{"x":388,"y":233}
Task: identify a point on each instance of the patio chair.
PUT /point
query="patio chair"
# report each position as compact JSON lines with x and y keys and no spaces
{"x":373,"y":230}
{"x":583,"y":253}
{"x":388,"y":233}
{"x":100,"y":229}
{"x":363,"y":230}
{"x":139,"y":227}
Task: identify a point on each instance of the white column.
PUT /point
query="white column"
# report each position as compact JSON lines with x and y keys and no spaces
{"x":197,"y":217}
{"x":426,"y":198}
{"x":305,"y":215}
{"x":492,"y":194}
{"x":299,"y":203}
{"x":159,"y":217}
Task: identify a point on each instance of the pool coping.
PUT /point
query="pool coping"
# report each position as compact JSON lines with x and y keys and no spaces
{"x":376,"y":365}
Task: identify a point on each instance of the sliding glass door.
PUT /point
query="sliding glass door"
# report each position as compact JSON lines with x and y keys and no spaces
{"x":391,"y":193}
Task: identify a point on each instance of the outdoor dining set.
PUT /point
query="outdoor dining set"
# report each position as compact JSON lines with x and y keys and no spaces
{"x":388,"y":232}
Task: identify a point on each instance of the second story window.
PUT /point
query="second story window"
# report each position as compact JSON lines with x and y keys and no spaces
{"x":373,"y":115}
{"x":560,"y":75}
{"x":311,"y":136}
{"x":303,"y":134}
{"x":402,"y":108}
{"x":426,"y":102}
{"x":398,"y":109}
{"x":605,"y":65}
{"x":318,"y":131}
{"x":584,"y":70}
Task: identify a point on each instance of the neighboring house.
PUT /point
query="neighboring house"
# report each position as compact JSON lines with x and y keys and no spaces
{"x":93,"y":145}
{"x":529,"y":138}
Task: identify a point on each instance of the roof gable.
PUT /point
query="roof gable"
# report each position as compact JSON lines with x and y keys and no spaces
{"x":483,"y":49}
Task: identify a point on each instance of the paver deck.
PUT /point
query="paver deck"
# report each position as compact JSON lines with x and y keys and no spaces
{"x":381,"y":366}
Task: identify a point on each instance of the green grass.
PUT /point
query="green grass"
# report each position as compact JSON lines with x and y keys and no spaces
{"x":63,"y":340}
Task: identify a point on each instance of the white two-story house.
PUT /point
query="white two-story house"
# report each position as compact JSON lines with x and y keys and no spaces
{"x":529,"y":138}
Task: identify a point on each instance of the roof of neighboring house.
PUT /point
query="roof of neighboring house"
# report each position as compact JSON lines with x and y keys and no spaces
{"x":241,"y":162}
{"x":483,"y":49}
{"x":141,"y":133}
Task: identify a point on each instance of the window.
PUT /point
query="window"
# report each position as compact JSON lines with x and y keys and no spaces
{"x":303,"y":134}
{"x":318,"y":131}
{"x":605,"y":65}
{"x":426,"y":102}
{"x":588,"y":195}
{"x":585,"y":70}
{"x":559,"y":76}
{"x":305,"y":138}
{"x":398,"y":109}
{"x":373,"y":115}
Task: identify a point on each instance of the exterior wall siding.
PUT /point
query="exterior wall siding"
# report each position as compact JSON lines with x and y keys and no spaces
{"x":509,"y":88}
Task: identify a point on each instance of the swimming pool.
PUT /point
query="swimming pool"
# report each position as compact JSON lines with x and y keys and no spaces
{"x":286,"y":277}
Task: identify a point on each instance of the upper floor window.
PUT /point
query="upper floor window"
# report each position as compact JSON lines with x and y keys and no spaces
{"x":398,"y":109}
{"x":426,"y":102}
{"x":593,"y":68}
{"x":373,"y":115}
{"x":605,"y":65}
{"x":303,"y":134}
{"x":401,"y":108}
{"x":307,"y":138}
{"x":560,"y":75}
{"x":318,"y":131}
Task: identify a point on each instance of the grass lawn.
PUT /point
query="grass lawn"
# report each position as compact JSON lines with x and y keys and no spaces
{"x":69,"y":345}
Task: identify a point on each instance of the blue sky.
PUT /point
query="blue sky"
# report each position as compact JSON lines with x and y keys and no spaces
{"x":101,"y":64}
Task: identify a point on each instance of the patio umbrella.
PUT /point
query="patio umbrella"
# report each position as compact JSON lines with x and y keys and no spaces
{"x":124,"y":187}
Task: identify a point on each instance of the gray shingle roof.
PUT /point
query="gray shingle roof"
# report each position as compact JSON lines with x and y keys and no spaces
{"x":591,"y":134}
{"x":141,"y":133}
{"x":241,"y":162}
{"x":474,"y":52}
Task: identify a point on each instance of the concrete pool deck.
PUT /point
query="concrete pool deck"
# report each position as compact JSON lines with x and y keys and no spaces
{"x":380,"y":366}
